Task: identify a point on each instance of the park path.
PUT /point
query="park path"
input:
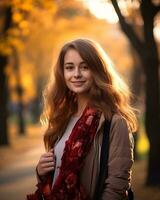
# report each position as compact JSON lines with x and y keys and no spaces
{"x":18,"y":177}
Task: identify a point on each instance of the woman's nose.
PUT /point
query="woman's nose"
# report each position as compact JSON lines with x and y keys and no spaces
{"x":77,"y":73}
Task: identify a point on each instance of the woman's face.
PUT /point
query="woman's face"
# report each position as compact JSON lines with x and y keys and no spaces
{"x":77,"y":74}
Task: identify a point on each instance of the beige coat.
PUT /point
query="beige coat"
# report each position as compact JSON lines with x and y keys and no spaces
{"x":119,"y":162}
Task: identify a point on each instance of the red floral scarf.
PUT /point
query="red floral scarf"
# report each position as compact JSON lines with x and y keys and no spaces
{"x":67,"y":185}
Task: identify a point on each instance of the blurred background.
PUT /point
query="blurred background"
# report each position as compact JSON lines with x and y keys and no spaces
{"x":31,"y":35}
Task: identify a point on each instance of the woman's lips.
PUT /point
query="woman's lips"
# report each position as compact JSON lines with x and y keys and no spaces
{"x":78,"y":83}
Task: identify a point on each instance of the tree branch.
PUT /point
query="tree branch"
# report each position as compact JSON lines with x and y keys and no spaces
{"x":128,"y":29}
{"x":149,"y":5}
{"x":148,"y":11}
{"x":156,"y":9}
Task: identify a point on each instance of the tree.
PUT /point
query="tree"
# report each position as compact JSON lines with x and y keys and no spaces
{"x":13,"y":22}
{"x":148,"y":55}
{"x":19,"y":91}
{"x":6,"y":23}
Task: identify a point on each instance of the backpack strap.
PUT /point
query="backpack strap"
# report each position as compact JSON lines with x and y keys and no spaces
{"x":103,"y":161}
{"x":104,"y":165}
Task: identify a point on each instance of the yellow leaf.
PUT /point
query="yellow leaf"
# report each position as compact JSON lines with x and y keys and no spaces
{"x":17,"y":17}
{"x":23,"y":24}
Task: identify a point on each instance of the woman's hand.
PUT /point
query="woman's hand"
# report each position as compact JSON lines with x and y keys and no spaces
{"x":46,"y":163}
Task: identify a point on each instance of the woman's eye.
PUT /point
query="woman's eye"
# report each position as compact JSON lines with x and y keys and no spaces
{"x":84,"y":67}
{"x":69,"y":67}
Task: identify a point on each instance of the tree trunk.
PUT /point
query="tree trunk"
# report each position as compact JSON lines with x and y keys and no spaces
{"x":6,"y":18}
{"x":19,"y":90}
{"x":3,"y":103}
{"x":21,"y":122}
{"x":152,"y":121}
{"x":136,"y":90}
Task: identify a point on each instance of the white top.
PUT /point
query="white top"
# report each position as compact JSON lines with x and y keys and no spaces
{"x":58,"y":150}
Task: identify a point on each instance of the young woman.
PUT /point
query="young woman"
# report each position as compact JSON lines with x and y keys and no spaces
{"x":84,"y":92}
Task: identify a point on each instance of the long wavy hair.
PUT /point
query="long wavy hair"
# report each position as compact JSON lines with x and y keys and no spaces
{"x":109,"y":93}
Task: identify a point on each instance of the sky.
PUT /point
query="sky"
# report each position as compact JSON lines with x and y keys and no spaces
{"x":102,"y":10}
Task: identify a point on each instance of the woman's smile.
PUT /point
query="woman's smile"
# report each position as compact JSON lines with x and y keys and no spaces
{"x":78,"y":83}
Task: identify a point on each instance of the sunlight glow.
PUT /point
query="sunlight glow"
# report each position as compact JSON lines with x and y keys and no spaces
{"x":143,"y":144}
{"x":102,"y":10}
{"x":156,"y":32}
{"x":156,"y":29}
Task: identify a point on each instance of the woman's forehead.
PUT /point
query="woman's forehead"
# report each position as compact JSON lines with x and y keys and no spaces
{"x":72,"y":55}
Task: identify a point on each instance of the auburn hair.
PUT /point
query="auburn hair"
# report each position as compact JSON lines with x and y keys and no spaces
{"x":109,"y":92}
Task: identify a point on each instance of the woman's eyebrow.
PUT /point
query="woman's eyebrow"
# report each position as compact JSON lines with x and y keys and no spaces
{"x":71,"y":63}
{"x":68,"y":63}
{"x":83,"y":62}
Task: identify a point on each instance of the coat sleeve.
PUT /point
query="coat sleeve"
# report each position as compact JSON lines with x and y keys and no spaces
{"x":120,"y":160}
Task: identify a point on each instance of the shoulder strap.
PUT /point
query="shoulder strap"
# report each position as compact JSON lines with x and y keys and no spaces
{"x":103,"y":161}
{"x":104,"y":166}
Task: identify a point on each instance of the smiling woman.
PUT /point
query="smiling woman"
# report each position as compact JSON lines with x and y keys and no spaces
{"x":86,"y":97}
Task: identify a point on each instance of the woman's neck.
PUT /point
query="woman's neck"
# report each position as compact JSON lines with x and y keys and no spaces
{"x":82,"y":103}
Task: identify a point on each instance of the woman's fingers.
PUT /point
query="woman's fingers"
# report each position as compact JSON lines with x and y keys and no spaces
{"x":48,"y":154}
{"x":46,"y":162}
{"x":46,"y":170}
{"x":49,"y":164}
{"x":47,"y":159}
